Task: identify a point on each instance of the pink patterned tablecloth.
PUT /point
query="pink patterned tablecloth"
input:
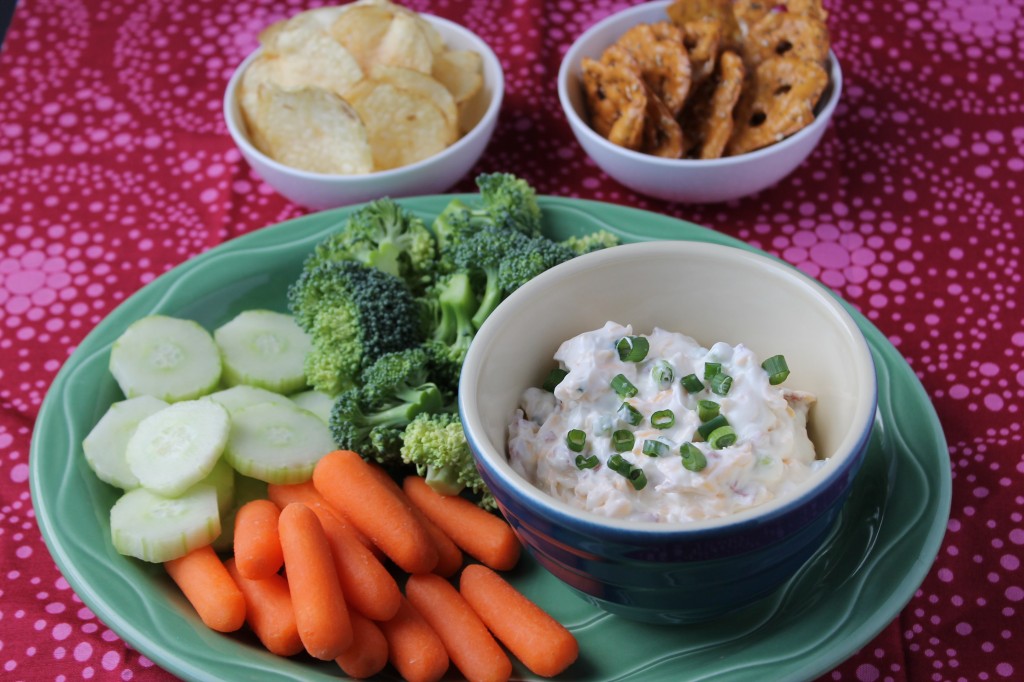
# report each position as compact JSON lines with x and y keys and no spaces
{"x":115,"y":166}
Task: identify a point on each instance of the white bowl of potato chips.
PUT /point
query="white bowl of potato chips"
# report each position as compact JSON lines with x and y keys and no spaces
{"x":702,"y":101}
{"x":349,"y":103}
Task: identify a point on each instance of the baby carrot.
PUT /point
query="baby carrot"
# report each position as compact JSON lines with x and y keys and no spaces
{"x":369,"y":651}
{"x":449,"y":556}
{"x":209,"y":588}
{"x":268,"y":611}
{"x":535,"y":638}
{"x":320,"y":611}
{"x":479,"y":533}
{"x":306,"y":493}
{"x":368,"y":586}
{"x":257,"y":544}
{"x":413,"y":647}
{"x":466,"y":639}
{"x":348,"y":483}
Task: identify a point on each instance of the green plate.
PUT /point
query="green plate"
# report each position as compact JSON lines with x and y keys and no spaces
{"x":882,"y":548}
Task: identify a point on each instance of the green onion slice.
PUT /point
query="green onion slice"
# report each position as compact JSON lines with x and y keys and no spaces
{"x":663,"y":419}
{"x":554,"y":378}
{"x":638,"y":478}
{"x":693,"y":458}
{"x":654,"y":448}
{"x":711,"y":369}
{"x":623,"y":440}
{"x":777,"y":368}
{"x":576,"y":440}
{"x":619,"y":465}
{"x":586,"y":462}
{"x":632,"y":348}
{"x":692,"y":383}
{"x":707,"y":410}
{"x":722,"y":437}
{"x":629,"y":414}
{"x":709,"y":426}
{"x":721,"y":383}
{"x":623,"y":387}
{"x":662,"y":373}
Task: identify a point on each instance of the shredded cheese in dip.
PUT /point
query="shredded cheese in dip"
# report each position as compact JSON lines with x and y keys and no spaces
{"x":772,"y":454}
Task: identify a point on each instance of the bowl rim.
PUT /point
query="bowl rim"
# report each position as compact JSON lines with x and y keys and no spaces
{"x":582,"y":128}
{"x":495,"y":460}
{"x":241,"y":136}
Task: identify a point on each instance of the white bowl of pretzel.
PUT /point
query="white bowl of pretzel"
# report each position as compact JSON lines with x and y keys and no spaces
{"x":702,"y":101}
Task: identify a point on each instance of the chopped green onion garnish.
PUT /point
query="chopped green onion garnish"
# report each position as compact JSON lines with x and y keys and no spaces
{"x":707,"y":427}
{"x":623,"y":440}
{"x":629,"y":414}
{"x":654,"y":448}
{"x":777,"y":369}
{"x":722,"y":437}
{"x":619,"y":465}
{"x":632,"y":348}
{"x":586,"y":462}
{"x":623,"y":387}
{"x":707,"y":410}
{"x":638,"y":478}
{"x":554,"y":378}
{"x":693,"y":458}
{"x":576,"y":440}
{"x":663,"y":419}
{"x":662,"y":372}
{"x":711,"y":369}
{"x":721,"y":383}
{"x":692,"y":383}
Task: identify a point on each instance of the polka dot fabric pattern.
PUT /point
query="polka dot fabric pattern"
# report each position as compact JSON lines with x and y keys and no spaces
{"x":116,"y":166}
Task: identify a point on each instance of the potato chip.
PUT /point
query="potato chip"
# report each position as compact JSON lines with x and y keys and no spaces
{"x":405,"y":45}
{"x":311,"y":129}
{"x":403,"y":127}
{"x":472,"y":110}
{"x":461,"y":71}
{"x":421,"y":85}
{"x":361,"y":30}
{"x":306,"y":55}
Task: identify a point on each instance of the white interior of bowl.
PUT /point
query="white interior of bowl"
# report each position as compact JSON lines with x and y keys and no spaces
{"x":456,"y":37}
{"x":710,"y":292}
{"x":604,"y":33}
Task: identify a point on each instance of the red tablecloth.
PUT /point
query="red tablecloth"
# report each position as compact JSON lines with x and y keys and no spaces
{"x":115,"y":166}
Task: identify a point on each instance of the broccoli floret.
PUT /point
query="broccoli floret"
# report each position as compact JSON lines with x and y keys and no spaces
{"x":510,"y":202}
{"x":595,"y":241}
{"x":454,"y":305}
{"x":353,"y":314}
{"x":436,"y":445}
{"x":528,"y":260}
{"x":506,"y":202}
{"x":385,"y":236}
{"x":393,"y":391}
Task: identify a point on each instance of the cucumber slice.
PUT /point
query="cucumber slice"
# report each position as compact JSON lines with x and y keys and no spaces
{"x":237,"y":397}
{"x":166,"y":357}
{"x":265,"y":349}
{"x":178,"y":446}
{"x":317,"y":402}
{"x":277,"y":443}
{"x":222,"y":479}
{"x":105,"y":445}
{"x":154,"y":528}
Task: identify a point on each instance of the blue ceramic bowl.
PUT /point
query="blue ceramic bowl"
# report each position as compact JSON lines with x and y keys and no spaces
{"x":674,"y":572}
